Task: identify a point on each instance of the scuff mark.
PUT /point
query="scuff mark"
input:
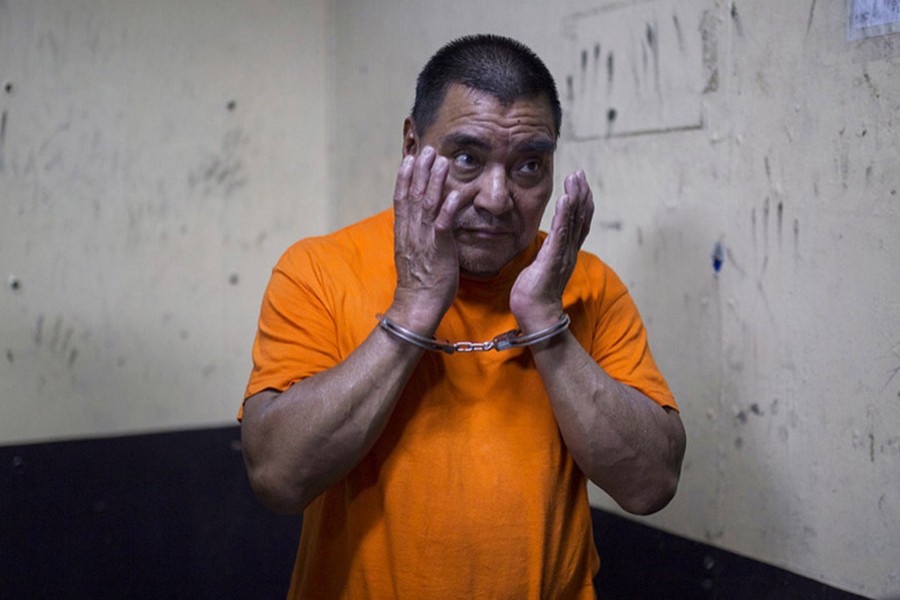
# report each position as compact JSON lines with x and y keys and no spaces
{"x":872,"y":87}
{"x":224,"y":172}
{"x":67,"y":338}
{"x":611,"y":225}
{"x":610,"y":72}
{"x":652,"y":42}
{"x":678,"y":33}
{"x":845,"y":168}
{"x":753,"y":224}
{"x":611,"y":115}
{"x":710,"y":52}
{"x":3,"y":118}
{"x":779,"y":210}
{"x":738,"y":25}
{"x":734,"y":263}
{"x":812,"y":12}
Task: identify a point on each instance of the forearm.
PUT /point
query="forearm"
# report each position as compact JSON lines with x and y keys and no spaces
{"x":300,"y":442}
{"x":623,"y":441}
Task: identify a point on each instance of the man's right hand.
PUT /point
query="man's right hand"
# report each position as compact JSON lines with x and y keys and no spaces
{"x":425,"y":252}
{"x":299,"y":442}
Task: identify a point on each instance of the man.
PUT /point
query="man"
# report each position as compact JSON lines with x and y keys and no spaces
{"x":428,"y":473}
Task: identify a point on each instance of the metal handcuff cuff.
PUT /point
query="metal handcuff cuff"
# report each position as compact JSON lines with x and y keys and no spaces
{"x":504,"y":341}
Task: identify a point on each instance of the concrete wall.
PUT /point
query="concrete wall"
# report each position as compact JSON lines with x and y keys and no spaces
{"x":155,"y":160}
{"x":157,"y":157}
{"x":754,"y":125}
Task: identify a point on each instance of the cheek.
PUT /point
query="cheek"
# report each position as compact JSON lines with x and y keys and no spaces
{"x":467,"y":190}
{"x":531,"y":207}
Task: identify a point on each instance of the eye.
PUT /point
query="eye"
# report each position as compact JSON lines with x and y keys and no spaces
{"x":465,"y":161}
{"x":531,"y":168}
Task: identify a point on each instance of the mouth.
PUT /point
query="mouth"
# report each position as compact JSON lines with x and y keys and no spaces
{"x":483,"y":233}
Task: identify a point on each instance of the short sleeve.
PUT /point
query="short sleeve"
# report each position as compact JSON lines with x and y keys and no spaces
{"x":621,"y":348}
{"x":296,"y":335}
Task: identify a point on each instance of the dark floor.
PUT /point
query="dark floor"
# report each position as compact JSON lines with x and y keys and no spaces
{"x":172,"y":516}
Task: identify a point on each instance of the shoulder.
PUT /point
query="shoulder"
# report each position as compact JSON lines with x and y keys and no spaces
{"x":367,"y":242}
{"x":594,"y":278}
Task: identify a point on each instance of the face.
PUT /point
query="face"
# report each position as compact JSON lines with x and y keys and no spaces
{"x":501,"y":162}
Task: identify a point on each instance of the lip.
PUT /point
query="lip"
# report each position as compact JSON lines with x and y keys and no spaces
{"x":485,"y":232}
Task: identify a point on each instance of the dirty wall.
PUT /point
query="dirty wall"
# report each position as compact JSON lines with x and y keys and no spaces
{"x":748,"y":134}
{"x":157,"y":157}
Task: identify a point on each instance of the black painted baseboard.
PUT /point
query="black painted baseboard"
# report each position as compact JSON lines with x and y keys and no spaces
{"x":171,"y":515}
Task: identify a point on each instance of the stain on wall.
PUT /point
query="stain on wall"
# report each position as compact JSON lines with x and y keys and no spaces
{"x":151,"y":156}
{"x":645,"y":77}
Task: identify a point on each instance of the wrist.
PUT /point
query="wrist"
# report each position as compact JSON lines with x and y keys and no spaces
{"x":421,"y":318}
{"x":538,"y":318}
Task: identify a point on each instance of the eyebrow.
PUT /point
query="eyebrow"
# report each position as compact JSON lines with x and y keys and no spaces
{"x":464,"y":139}
{"x":537,"y":146}
{"x":533,"y":146}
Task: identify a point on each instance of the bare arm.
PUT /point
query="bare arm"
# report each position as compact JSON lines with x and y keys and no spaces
{"x":626,"y":443}
{"x":299,"y":442}
{"x":622,"y":440}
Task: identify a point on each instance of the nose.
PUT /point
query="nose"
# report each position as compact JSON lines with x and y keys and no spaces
{"x":494,"y":195}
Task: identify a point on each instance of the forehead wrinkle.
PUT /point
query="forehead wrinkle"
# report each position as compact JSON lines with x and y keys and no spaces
{"x":460,"y":138}
{"x":477,"y":119}
{"x":483,"y":133}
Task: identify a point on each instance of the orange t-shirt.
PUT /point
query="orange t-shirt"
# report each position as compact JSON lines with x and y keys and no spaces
{"x":470,"y":491}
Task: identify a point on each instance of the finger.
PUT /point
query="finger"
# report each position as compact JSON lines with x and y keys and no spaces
{"x":401,"y":197}
{"x":421,"y":173}
{"x":571,"y":185}
{"x":559,"y":225}
{"x":583,"y":207}
{"x":435,"y":189}
{"x":587,"y":210}
{"x":404,"y":178}
{"x":447,"y":215}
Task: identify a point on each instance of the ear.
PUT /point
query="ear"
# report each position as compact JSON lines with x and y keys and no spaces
{"x":410,"y":141}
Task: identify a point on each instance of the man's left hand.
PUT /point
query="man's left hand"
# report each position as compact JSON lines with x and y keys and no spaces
{"x":536,"y":296}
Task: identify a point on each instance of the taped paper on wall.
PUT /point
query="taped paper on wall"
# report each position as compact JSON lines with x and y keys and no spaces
{"x":870,"y":18}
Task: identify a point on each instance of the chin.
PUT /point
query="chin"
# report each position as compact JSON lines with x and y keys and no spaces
{"x":483,"y":266}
